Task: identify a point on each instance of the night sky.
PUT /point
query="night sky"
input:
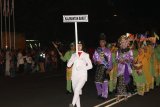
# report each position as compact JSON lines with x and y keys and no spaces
{"x":44,"y":18}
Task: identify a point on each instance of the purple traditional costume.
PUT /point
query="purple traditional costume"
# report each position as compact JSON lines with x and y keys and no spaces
{"x":102,"y":57}
{"x":125,"y":67}
{"x":124,"y":57}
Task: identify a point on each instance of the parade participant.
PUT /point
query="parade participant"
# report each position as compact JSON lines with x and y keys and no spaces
{"x":152,"y":63}
{"x":157,"y":65}
{"x":146,"y":68}
{"x":66,"y":58}
{"x":102,"y":58}
{"x":113,"y":72}
{"x":124,"y":57}
{"x":80,"y":63}
{"x":138,"y":73}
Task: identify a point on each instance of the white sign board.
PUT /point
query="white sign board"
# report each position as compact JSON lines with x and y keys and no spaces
{"x":75,"y":18}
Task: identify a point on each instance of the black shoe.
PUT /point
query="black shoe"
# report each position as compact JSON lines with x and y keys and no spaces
{"x":67,"y":92}
{"x":71,"y":105}
{"x":103,"y":98}
{"x":99,"y":97}
{"x":110,"y":93}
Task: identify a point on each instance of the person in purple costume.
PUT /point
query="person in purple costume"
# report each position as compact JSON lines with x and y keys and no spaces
{"x":102,"y":58}
{"x":124,"y":58}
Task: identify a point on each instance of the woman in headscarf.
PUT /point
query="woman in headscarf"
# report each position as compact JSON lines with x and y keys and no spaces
{"x":124,"y":57}
{"x":113,"y":72}
{"x":146,"y":68}
{"x":157,"y":65}
{"x":65,"y":58}
{"x":152,"y":64}
{"x":138,"y":73}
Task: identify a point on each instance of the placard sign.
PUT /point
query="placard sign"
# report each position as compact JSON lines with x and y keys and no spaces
{"x":74,"y":19}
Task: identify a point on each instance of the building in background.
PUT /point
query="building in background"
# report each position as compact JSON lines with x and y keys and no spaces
{"x":11,"y":42}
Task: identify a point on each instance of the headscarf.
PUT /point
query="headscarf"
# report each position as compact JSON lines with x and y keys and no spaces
{"x":124,"y":41}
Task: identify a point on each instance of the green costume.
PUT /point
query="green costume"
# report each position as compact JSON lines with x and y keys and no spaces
{"x":113,"y":74}
{"x":139,"y":79}
{"x":66,"y":58}
{"x":157,"y":65}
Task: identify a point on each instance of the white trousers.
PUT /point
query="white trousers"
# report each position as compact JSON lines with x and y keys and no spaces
{"x":77,"y":86}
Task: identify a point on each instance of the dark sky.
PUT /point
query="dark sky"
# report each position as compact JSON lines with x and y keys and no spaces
{"x":44,"y":18}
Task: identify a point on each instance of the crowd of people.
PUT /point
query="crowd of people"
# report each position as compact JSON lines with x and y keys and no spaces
{"x":27,"y":61}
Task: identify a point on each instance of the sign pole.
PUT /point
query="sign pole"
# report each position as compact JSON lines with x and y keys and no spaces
{"x":76,"y":37}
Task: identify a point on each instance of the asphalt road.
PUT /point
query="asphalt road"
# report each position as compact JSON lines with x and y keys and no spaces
{"x":48,"y":90}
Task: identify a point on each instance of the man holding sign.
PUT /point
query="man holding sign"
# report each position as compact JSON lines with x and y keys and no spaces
{"x":80,"y":61}
{"x":80,"y":64}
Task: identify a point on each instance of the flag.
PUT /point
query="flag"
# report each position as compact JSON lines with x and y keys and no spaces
{"x":12,"y":8}
{"x":152,"y":39}
{"x":156,"y":36}
{"x":8,"y":8}
{"x":136,"y":38}
{"x":131,"y":36}
{"x":4,"y":8}
{"x":0,"y":5}
{"x":142,"y":38}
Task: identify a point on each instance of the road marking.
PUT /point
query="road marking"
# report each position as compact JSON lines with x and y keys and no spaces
{"x":114,"y":103}
{"x":108,"y":101}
